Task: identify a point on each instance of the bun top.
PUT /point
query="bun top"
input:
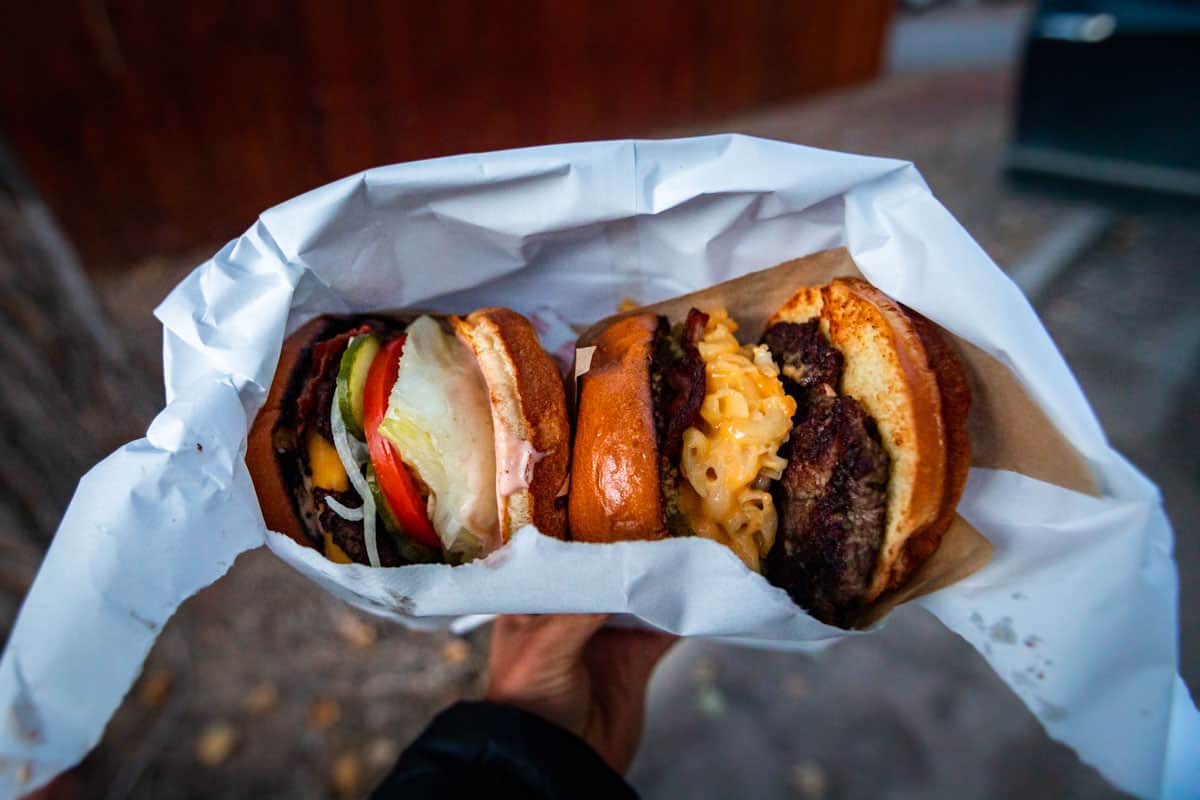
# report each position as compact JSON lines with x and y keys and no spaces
{"x":529,"y":418}
{"x":615,"y":493}
{"x":888,"y":372}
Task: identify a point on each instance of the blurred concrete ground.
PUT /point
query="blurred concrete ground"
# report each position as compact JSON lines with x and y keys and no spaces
{"x":302,"y":697}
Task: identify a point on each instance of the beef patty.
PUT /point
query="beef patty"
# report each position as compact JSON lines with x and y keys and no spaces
{"x":832,"y":497}
{"x":804,"y":355}
{"x":312,"y":407}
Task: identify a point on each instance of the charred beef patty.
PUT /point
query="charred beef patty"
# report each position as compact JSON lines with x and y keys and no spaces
{"x":832,"y":497}
{"x":805,"y":357}
{"x":312,"y":407}
{"x":677,"y":383}
{"x":832,"y":502}
{"x":349,"y":535}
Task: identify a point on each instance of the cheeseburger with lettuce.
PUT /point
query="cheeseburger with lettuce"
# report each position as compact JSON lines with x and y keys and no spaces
{"x":388,"y":441}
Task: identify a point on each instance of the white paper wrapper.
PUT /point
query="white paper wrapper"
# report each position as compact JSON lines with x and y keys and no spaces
{"x":1089,"y":581}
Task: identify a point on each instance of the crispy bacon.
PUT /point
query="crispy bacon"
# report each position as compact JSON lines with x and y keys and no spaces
{"x":678,"y":385}
{"x":685,"y":381}
{"x":316,"y":398}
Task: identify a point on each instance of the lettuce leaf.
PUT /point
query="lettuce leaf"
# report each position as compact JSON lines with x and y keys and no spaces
{"x":439,"y":418}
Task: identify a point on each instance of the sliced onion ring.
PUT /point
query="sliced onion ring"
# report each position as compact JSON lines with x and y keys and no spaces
{"x":344,"y":511}
{"x":348,"y":449}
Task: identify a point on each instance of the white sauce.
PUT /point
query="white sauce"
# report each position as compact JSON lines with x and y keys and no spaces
{"x":515,"y":460}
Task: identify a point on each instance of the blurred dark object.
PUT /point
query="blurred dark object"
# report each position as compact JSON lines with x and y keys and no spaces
{"x":152,"y":127}
{"x":1110,"y":92}
{"x":920,"y":6}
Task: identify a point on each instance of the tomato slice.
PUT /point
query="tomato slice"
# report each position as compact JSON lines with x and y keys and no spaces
{"x":377,"y":390}
{"x":395,"y":481}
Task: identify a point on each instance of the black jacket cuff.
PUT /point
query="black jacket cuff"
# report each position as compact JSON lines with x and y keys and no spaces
{"x":500,"y":751}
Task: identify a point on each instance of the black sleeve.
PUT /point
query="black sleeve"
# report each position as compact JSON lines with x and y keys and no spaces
{"x":486,"y":751}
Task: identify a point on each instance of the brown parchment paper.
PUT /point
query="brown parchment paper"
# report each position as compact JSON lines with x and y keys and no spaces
{"x":1007,"y":429}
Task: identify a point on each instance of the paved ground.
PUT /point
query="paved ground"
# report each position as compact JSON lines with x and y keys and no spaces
{"x":305,"y":698}
{"x":265,"y":686}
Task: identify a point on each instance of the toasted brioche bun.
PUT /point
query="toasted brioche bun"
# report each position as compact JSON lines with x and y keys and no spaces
{"x":615,"y":493}
{"x":529,"y":413}
{"x":922,"y":423}
{"x":526,"y":394}
{"x":956,"y":403}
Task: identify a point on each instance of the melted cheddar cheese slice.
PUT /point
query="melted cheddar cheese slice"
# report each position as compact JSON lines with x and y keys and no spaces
{"x":746,"y":416}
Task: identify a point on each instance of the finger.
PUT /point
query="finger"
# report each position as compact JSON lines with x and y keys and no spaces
{"x":650,"y":648}
{"x":620,"y":663}
{"x":545,"y":637}
{"x":510,"y":624}
{"x":631,"y":653}
{"x":564,"y":635}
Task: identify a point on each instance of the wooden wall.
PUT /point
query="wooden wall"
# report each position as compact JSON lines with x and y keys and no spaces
{"x":151,"y":127}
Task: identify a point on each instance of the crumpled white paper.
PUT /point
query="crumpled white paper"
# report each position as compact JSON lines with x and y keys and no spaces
{"x":1077,"y":611}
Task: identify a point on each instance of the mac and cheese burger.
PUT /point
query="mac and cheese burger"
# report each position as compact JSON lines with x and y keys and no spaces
{"x":829,"y":456}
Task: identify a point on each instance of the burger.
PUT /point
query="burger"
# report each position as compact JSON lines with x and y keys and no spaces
{"x":829,"y":456}
{"x":388,"y":440}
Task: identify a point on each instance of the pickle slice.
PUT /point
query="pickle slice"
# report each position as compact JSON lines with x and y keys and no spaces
{"x":352,"y":378}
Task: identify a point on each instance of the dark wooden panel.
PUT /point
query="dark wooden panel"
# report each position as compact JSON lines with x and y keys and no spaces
{"x":150,"y":127}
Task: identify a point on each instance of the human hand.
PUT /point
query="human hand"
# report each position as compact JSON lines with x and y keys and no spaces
{"x":566,"y":669}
